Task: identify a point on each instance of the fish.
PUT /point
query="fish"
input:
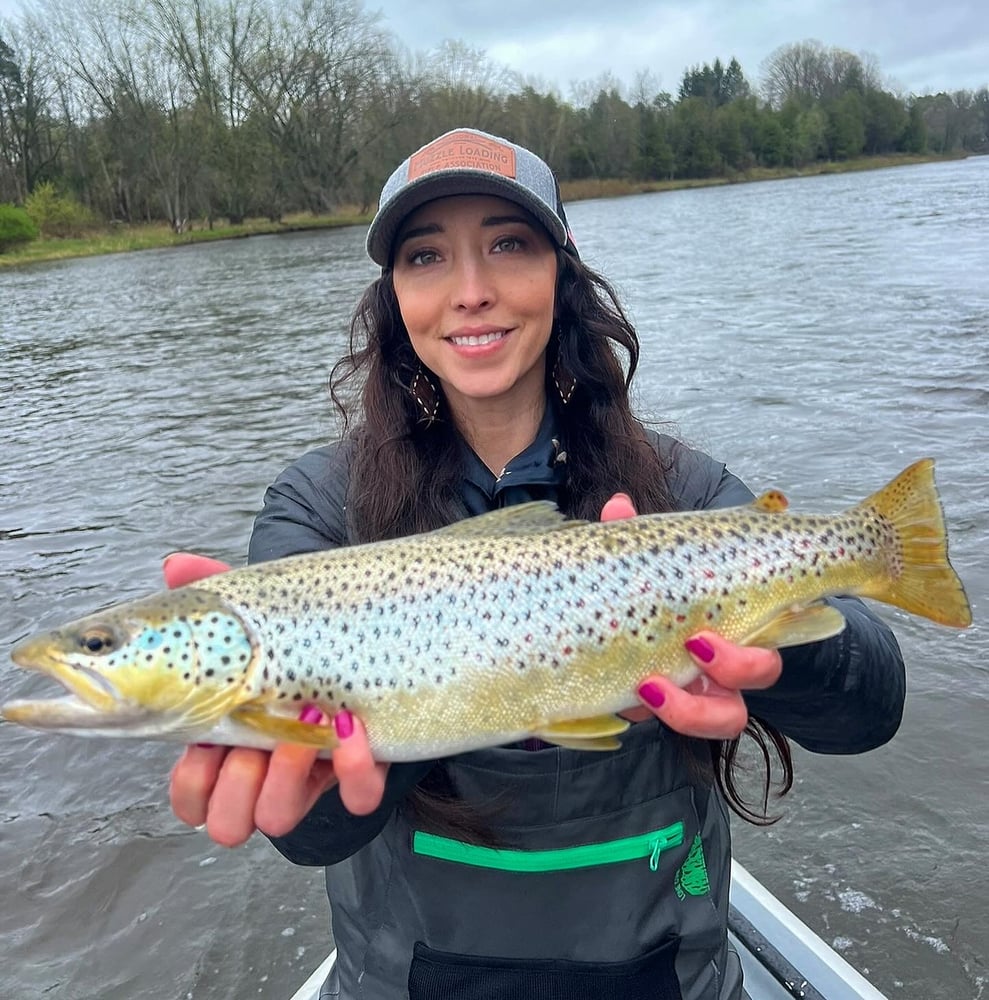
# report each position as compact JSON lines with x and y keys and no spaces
{"x":513,"y":624}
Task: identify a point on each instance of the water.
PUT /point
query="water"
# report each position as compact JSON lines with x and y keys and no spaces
{"x":819,"y":334}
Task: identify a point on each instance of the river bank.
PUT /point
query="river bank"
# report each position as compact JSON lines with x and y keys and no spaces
{"x":121,"y":238}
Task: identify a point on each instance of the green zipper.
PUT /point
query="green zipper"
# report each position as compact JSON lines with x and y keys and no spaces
{"x":645,"y":845}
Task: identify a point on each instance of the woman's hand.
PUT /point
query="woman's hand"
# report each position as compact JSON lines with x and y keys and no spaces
{"x":235,"y":791}
{"x":711,"y":706}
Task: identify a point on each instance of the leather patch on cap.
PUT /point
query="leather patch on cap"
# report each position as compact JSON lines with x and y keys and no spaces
{"x":463,"y":149}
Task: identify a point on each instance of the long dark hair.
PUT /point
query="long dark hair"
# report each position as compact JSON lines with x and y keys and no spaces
{"x":405,"y":471}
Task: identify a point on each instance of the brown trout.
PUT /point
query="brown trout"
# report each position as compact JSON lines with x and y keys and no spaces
{"x":501,"y":627}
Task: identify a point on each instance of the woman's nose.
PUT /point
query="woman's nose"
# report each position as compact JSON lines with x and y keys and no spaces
{"x":473,"y":288}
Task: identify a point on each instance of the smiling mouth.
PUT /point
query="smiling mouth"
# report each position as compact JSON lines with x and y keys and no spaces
{"x":479,"y":341}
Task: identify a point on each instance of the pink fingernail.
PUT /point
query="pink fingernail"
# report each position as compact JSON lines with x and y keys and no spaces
{"x":700,"y":648}
{"x":652,"y":694}
{"x":343,"y":722}
{"x":311,"y":715}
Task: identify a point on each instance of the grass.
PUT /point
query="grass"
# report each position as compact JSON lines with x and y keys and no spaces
{"x":579,"y":190}
{"x":145,"y":236}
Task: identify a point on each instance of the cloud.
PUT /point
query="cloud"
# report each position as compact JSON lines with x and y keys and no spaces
{"x":923,"y":46}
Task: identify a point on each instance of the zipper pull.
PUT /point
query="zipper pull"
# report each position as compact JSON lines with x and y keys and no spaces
{"x":657,"y":849}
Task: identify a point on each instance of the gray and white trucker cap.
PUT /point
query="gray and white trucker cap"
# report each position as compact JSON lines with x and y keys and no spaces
{"x":466,"y":161}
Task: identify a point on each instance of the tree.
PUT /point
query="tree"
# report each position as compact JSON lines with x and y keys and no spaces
{"x":885,"y":122}
{"x":311,"y":79}
{"x":914,"y":138}
{"x":695,"y":139}
{"x":209,"y":41}
{"x":608,"y":139}
{"x":846,"y":126}
{"x":12,"y":187}
{"x":807,"y":72}
{"x":30,"y":139}
{"x":717,"y":84}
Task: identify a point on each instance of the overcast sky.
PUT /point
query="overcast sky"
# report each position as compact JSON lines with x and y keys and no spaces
{"x":921,"y":45}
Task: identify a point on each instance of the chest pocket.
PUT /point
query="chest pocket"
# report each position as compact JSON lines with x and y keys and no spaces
{"x":638,"y":848}
{"x":596,"y":907}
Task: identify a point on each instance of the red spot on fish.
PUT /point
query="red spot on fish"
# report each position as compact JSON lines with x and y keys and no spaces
{"x":614,"y":623}
{"x":681,"y":618}
{"x":709,"y":573}
{"x":567,"y":650}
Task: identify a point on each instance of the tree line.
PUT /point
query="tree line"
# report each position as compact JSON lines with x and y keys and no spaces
{"x":145,"y":110}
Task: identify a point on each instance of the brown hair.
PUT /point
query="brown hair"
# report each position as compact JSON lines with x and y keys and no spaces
{"x":405,"y":473}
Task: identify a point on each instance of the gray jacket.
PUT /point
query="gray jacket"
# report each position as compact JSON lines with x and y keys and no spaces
{"x":610,"y":875}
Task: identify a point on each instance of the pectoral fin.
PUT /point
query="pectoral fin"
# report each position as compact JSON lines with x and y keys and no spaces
{"x":285,"y":730}
{"x":596,"y":733}
{"x":797,"y":626}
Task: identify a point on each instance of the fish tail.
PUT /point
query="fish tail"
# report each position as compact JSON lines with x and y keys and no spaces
{"x":923,"y":582}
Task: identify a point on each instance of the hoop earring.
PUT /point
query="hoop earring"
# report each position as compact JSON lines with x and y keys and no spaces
{"x":426,"y":395}
{"x":565,"y":382}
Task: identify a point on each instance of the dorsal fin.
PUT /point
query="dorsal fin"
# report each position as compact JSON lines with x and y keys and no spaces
{"x":523,"y":519}
{"x":771,"y":502}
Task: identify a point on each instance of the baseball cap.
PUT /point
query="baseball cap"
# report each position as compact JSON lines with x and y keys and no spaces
{"x":467,"y":161}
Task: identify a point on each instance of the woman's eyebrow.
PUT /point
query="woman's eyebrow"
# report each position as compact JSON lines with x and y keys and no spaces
{"x":410,"y":234}
{"x":432,"y":228}
{"x":501,"y":220}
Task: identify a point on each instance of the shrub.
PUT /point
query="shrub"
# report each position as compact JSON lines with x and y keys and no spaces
{"x":56,"y":214}
{"x":16,"y":226}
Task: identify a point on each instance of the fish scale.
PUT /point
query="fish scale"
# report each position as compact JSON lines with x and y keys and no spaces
{"x":507,"y":625}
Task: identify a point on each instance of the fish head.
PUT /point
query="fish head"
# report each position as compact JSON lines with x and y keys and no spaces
{"x":171,"y":664}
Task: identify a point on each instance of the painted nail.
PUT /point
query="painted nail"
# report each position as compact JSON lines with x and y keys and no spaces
{"x":343,"y":722}
{"x":206,"y":746}
{"x":652,"y":694}
{"x":700,"y":648}
{"x":311,"y":715}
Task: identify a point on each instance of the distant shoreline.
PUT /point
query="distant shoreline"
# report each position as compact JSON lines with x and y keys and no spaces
{"x":146,"y":236}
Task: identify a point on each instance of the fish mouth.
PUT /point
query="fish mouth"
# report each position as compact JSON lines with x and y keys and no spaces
{"x":90,"y":691}
{"x":68,"y":713}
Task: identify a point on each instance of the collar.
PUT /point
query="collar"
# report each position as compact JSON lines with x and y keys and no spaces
{"x":542,"y":463}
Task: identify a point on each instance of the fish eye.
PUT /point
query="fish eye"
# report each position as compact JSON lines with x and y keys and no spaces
{"x":96,"y":640}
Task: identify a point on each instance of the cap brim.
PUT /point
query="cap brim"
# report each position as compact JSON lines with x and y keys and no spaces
{"x":442,"y":183}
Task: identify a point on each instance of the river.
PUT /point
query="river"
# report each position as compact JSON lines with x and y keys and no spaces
{"x":819,"y":334}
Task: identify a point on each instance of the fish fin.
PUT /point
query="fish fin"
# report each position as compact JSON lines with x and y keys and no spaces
{"x":771,"y":502}
{"x":285,"y":730}
{"x":522,"y":519}
{"x":925,"y":584}
{"x":595,"y":733}
{"x":796,"y":626}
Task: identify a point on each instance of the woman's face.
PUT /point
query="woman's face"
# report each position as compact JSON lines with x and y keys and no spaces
{"x":475,"y":278}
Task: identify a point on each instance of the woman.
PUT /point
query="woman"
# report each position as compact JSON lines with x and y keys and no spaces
{"x":490,"y":360}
